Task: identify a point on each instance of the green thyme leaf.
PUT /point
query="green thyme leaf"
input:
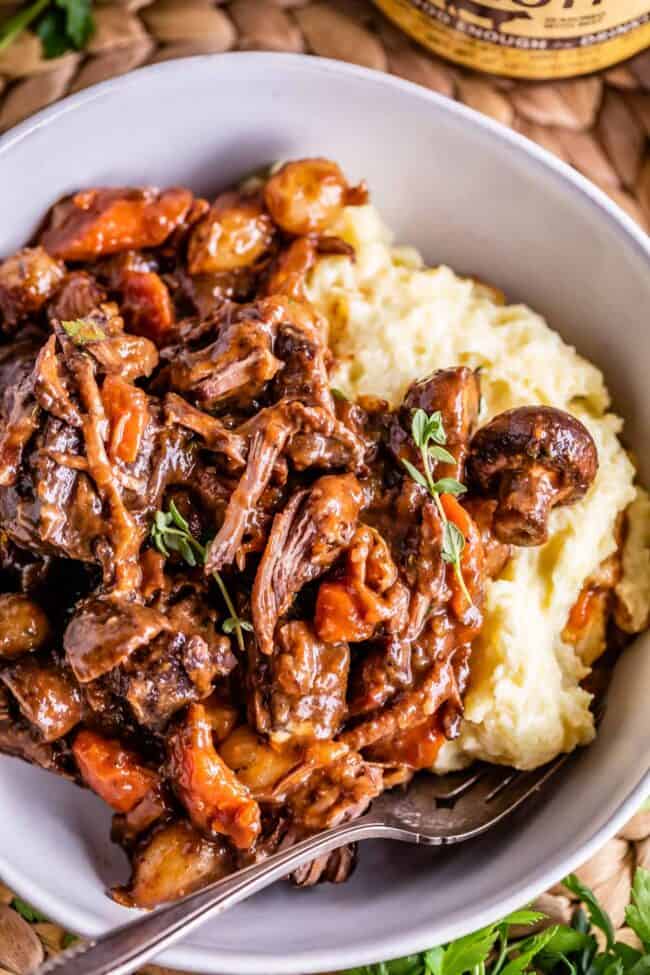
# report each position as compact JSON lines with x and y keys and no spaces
{"x":418,"y":427}
{"x":170,"y":532}
{"x":439,"y":453}
{"x":83,"y":330}
{"x":449,"y":485}
{"x":338,"y":393}
{"x":177,"y":518}
{"x":640,"y":967}
{"x":566,"y":941}
{"x":453,"y":543}
{"x":417,"y":475}
{"x":434,"y":429}
{"x":425,"y":429}
{"x":66,"y":25}
{"x":69,"y":940}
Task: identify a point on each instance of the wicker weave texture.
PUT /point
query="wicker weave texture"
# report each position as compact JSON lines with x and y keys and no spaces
{"x":599,"y":124}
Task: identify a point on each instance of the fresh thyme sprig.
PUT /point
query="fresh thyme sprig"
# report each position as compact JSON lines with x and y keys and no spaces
{"x":170,"y":532}
{"x":429,"y":435}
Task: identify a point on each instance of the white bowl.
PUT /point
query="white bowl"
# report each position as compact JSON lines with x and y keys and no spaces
{"x":467,"y":192}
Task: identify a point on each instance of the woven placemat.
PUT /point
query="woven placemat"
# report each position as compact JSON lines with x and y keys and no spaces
{"x":599,"y":124}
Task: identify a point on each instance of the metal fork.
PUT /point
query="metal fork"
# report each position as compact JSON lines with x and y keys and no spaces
{"x":432,"y":811}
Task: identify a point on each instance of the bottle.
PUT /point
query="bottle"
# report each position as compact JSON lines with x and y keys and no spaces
{"x":537,"y":39}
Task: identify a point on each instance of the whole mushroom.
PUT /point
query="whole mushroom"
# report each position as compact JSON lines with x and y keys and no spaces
{"x":531,"y":459}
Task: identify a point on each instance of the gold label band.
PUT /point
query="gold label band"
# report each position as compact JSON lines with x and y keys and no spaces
{"x":527,"y":38}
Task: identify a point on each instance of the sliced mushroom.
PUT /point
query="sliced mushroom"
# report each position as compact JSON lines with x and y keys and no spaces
{"x":532,"y":459}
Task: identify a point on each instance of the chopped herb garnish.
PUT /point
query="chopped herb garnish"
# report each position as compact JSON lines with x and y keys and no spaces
{"x":429,"y":436}
{"x":28,"y":912}
{"x":83,"y":330}
{"x":338,"y":393}
{"x":170,"y":532}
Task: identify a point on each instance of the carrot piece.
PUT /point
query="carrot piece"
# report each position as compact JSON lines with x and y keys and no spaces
{"x":112,"y":771}
{"x":126,"y":408}
{"x":346,"y":610}
{"x":457,"y":514}
{"x":146,"y":304}
{"x":580,"y":614}
{"x":216,"y":800}
{"x":472,"y":559}
{"x":98,"y":222}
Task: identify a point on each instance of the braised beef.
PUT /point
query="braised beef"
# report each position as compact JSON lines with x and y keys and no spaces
{"x":227,"y":602}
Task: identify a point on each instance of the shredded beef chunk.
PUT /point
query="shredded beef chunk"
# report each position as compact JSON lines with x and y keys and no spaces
{"x":229,"y":603}
{"x":306,"y":538}
{"x":309,"y":684}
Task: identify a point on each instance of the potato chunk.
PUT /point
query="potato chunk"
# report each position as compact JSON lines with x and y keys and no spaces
{"x":235,"y":233}
{"x":23,"y":626}
{"x":306,"y":196}
{"x":176,"y":862}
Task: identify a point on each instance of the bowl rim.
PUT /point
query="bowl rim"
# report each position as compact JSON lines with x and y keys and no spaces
{"x":250,"y":962}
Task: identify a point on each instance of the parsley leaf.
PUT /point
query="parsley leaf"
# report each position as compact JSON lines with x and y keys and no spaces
{"x":62,"y":25}
{"x":527,"y":950}
{"x":466,"y":953}
{"x":598,"y":917}
{"x":557,"y":950}
{"x":637,"y":915}
{"x":11,"y":28}
{"x":78,"y":21}
{"x":52,"y":32}
{"x":28,"y":912}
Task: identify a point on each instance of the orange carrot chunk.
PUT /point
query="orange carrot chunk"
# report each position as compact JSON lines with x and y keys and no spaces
{"x":114,"y":772}
{"x":216,"y":800}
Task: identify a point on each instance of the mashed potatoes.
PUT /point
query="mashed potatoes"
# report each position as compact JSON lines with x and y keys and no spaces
{"x":392,"y":321}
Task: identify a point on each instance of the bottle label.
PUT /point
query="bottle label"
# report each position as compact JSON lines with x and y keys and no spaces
{"x":527,"y":38}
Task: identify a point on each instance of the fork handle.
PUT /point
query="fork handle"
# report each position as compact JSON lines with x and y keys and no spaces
{"x":129,"y":946}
